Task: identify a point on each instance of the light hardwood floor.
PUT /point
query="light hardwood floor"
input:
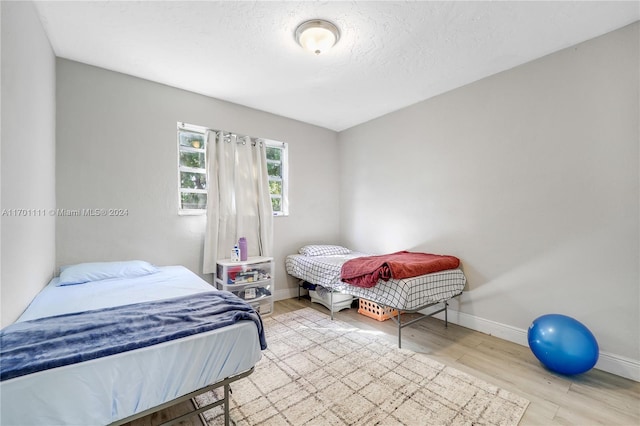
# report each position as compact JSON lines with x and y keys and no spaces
{"x":593,"y":398}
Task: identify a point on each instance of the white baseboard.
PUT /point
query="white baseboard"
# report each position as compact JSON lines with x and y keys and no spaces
{"x":619,"y":365}
{"x":288,"y":293}
{"x":611,"y":363}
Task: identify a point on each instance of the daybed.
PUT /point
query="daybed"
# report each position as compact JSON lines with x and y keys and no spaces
{"x":204,"y":339}
{"x":322,"y":265}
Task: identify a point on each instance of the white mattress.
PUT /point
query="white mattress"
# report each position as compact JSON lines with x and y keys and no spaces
{"x":103,"y":390}
{"x":405,"y":294}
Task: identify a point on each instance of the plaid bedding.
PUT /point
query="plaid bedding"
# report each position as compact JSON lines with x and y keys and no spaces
{"x":404,"y":294}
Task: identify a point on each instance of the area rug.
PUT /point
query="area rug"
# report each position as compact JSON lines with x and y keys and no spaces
{"x":322,"y":372}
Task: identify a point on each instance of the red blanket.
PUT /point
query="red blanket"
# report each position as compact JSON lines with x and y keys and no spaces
{"x":366,"y":271}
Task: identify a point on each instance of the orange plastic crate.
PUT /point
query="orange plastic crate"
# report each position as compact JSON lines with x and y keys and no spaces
{"x":375,"y":311}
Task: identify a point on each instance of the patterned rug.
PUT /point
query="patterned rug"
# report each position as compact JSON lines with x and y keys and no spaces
{"x":322,"y":372}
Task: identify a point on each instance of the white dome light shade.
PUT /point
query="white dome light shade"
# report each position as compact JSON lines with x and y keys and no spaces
{"x":317,"y":36}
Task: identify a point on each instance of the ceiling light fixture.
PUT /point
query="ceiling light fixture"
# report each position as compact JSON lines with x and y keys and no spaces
{"x":317,"y":35}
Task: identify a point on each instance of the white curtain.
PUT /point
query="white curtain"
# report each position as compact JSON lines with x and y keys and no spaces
{"x":238,"y":200}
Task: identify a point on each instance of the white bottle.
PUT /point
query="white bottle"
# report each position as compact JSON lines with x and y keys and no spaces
{"x":235,"y":254}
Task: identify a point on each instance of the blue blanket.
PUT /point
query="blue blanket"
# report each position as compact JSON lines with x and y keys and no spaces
{"x":31,"y":346}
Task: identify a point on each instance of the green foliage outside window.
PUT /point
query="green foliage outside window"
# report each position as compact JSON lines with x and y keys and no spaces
{"x":274,"y":153}
{"x":192,"y":165}
{"x":275,"y":187}
{"x":192,"y":159}
{"x":193,"y":201}
{"x":275,"y":172}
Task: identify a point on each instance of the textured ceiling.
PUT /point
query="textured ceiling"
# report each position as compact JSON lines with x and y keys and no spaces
{"x":390,"y":54}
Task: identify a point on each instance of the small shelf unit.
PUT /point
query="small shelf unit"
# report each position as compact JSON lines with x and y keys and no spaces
{"x":250,"y":280}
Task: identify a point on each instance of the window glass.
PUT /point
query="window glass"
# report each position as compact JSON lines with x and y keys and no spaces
{"x":191,"y":139}
{"x":193,"y":201}
{"x":277,"y":156}
{"x":192,"y":159}
{"x":192,"y":169}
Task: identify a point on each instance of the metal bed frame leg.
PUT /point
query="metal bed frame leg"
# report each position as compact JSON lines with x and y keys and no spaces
{"x":446,"y":313}
{"x":331,"y":304}
{"x":226,"y":405}
{"x":399,"y":330}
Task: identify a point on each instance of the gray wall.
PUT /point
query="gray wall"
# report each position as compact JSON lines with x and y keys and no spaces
{"x":116,"y":148}
{"x":529,"y":176}
{"x":28,"y":158}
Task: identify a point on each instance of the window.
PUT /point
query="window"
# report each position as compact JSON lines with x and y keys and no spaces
{"x":192,"y":169}
{"x":278,"y":176}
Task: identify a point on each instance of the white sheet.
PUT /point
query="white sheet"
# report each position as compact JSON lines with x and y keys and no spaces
{"x":104,"y":390}
{"x":171,"y":281}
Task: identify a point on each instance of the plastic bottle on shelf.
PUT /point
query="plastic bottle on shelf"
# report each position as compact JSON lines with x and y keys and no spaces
{"x":242,"y":244}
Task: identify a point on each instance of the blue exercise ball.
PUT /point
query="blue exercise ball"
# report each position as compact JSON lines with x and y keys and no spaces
{"x":563,"y":344}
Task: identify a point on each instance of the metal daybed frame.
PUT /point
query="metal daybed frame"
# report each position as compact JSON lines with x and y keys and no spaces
{"x":222,"y":401}
{"x":398,"y":317}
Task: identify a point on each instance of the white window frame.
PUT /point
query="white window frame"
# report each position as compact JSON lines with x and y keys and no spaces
{"x":284,"y":178}
{"x":181,"y":168}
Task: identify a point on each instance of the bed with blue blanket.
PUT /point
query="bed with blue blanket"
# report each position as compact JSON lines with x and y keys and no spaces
{"x":106,"y":343}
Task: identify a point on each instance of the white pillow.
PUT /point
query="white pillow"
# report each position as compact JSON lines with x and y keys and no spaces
{"x":97,"y":271}
{"x":323,"y":250}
